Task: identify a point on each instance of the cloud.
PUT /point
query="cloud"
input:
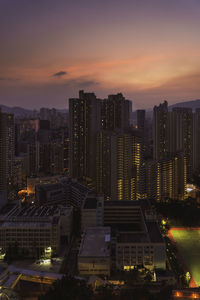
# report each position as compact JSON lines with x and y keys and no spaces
{"x":59,"y":74}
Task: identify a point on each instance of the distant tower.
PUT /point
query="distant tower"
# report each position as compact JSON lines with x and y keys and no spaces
{"x":160,"y":131}
{"x":115,"y":112}
{"x":140,"y":119}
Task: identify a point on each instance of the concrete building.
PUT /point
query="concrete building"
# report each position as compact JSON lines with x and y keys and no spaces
{"x":174,"y":132}
{"x":33,"y":157}
{"x":63,"y":190}
{"x":94,"y":253}
{"x":160,"y":131}
{"x":142,"y":248}
{"x":49,"y":194}
{"x":115,"y":112}
{"x":119,"y":165}
{"x":84,"y":123}
{"x":181,"y":138}
{"x":7,"y":150}
{"x":196,"y":140}
{"x":167,"y":178}
{"x":34,"y":231}
{"x":135,"y":235}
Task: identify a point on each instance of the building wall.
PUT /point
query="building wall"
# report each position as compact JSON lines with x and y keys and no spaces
{"x":133,"y":254}
{"x":159,"y":256}
{"x":122,"y":214}
{"x":29,"y":240}
{"x":119,"y":162}
{"x":94,"y":266}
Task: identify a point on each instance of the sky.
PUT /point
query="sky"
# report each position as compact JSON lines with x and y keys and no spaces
{"x":147,"y":49}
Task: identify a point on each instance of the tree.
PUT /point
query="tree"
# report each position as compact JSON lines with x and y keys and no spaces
{"x":105,"y":293}
{"x":68,"y":288}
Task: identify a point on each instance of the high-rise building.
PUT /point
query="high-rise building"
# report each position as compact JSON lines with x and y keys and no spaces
{"x":7,"y":150}
{"x":119,"y":161}
{"x":181,"y":137}
{"x":167,"y":178}
{"x":115,"y":112}
{"x":3,"y":182}
{"x":33,"y":154}
{"x":196,"y":140}
{"x":160,"y":131}
{"x":84,"y":124}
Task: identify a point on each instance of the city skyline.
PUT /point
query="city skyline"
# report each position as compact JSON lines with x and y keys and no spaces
{"x":149,"y":51}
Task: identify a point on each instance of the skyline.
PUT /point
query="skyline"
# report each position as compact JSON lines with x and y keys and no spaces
{"x":149,"y":51}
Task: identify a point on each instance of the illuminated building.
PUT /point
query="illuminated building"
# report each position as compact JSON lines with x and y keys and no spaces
{"x":95,"y":132}
{"x":167,"y":178}
{"x":135,"y":234}
{"x":181,"y":137}
{"x":137,"y":238}
{"x":187,"y":293}
{"x":119,"y":161}
{"x":174,"y":132}
{"x":19,"y":173}
{"x":34,"y":231}
{"x":196,"y":139}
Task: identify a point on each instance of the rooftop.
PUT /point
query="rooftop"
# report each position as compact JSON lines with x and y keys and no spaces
{"x":133,"y":238}
{"x":94,"y":242}
{"x":90,"y":203}
{"x":154,"y":232}
{"x":33,"y":213}
{"x":152,"y":235}
{"x":121,"y":203}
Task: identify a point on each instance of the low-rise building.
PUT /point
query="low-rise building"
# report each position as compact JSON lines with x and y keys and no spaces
{"x":94,"y":253}
{"x":65,"y":190}
{"x":135,"y":235}
{"x":140,"y":248}
{"x":34,"y":231}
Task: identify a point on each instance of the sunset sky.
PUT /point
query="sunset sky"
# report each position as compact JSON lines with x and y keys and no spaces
{"x":147,"y":49}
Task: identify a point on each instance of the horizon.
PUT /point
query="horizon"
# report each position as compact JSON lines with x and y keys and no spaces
{"x":67,"y":108}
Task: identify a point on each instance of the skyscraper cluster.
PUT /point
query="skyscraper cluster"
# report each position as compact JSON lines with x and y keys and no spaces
{"x":105,"y":151}
{"x":175,"y":148}
{"x":114,"y":158}
{"x":103,"y":148}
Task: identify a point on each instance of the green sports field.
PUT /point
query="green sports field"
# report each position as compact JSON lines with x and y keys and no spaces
{"x":188,"y":244}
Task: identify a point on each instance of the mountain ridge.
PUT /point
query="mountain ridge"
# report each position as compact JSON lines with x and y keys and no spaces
{"x":20,"y":111}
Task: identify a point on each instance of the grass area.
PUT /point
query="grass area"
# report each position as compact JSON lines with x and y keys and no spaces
{"x":188,"y":243}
